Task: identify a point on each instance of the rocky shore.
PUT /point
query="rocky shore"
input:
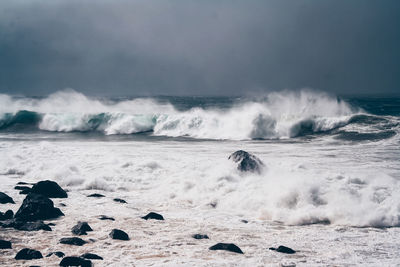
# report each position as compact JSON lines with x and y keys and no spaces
{"x":43,"y":224}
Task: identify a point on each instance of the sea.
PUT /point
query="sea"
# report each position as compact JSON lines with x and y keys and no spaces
{"x":329,"y":188}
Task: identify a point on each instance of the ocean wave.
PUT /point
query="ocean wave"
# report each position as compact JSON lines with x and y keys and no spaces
{"x":277,"y":116}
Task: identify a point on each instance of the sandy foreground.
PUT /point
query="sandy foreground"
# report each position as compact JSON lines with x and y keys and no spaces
{"x":169,"y":242}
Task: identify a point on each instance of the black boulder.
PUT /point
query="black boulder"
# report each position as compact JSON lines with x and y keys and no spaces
{"x":119,"y":234}
{"x":227,"y":246}
{"x":37,"y":207}
{"x":75,"y":261}
{"x":91,"y":256}
{"x":49,"y":189}
{"x":246,"y":162}
{"x":153,"y":215}
{"x":76,"y":241}
{"x":28,"y":254}
{"x":120,"y":200}
{"x":4,"y":199}
{"x":283,"y":249}
{"x":199,"y":236}
{"x":104,"y":217}
{"x":81,"y":228}
{"x":4,"y":244}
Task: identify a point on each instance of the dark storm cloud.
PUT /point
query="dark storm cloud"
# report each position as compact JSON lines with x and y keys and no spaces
{"x":199,"y":47}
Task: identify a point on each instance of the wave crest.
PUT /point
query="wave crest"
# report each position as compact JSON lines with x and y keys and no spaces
{"x":278,"y":115}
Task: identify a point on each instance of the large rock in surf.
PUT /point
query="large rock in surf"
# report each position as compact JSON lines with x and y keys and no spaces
{"x":119,"y":234}
{"x":4,"y":244}
{"x":75,"y":261}
{"x":76,"y":241}
{"x":154,"y":216}
{"x":4,"y":199}
{"x":28,"y":254}
{"x":81,"y":228}
{"x":227,"y":246}
{"x":49,"y":189}
{"x":37,"y":207}
{"x":283,"y":249}
{"x":246,"y":162}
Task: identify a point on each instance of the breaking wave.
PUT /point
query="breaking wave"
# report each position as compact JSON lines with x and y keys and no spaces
{"x":276,"y":116}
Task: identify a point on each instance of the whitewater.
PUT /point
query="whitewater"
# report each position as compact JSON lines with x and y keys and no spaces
{"x":277,"y":116}
{"x":330,"y":187}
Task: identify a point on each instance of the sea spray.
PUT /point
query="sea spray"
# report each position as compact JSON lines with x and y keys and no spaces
{"x":276,"y":116}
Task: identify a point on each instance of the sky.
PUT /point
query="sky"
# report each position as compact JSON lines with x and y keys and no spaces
{"x":202,"y":47}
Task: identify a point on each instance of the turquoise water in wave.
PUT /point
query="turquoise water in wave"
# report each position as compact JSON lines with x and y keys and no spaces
{"x":275,"y":117}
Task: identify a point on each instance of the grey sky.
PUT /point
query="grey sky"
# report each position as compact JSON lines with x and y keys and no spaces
{"x":203,"y":47}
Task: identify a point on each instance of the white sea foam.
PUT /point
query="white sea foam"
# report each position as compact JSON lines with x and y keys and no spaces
{"x":303,"y":183}
{"x":278,"y":115}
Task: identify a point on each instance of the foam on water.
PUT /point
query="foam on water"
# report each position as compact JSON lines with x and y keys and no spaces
{"x":302,"y":184}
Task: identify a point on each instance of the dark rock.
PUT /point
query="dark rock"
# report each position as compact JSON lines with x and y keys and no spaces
{"x":4,"y":244}
{"x":37,"y":207}
{"x":4,"y":199}
{"x":213,"y":204}
{"x":153,"y":215}
{"x":76,"y":241}
{"x":32,"y":226}
{"x":119,"y":200}
{"x":49,"y":189}
{"x":28,"y":254}
{"x":75,"y":261}
{"x":283,"y":249}
{"x":227,"y":246}
{"x":19,"y":187}
{"x":8,"y":223}
{"x":246,"y":162}
{"x":23,"y":183}
{"x":25,"y":192}
{"x":91,"y":256}
{"x":24,"y":225}
{"x":119,"y":234}
{"x":81,"y":228}
{"x":199,"y":236}
{"x":7,"y":215}
{"x":104,"y":217}
{"x":57,"y":253}
{"x":96,"y":195}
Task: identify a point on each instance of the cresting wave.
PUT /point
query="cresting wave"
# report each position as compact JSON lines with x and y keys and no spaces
{"x":277,"y":116}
